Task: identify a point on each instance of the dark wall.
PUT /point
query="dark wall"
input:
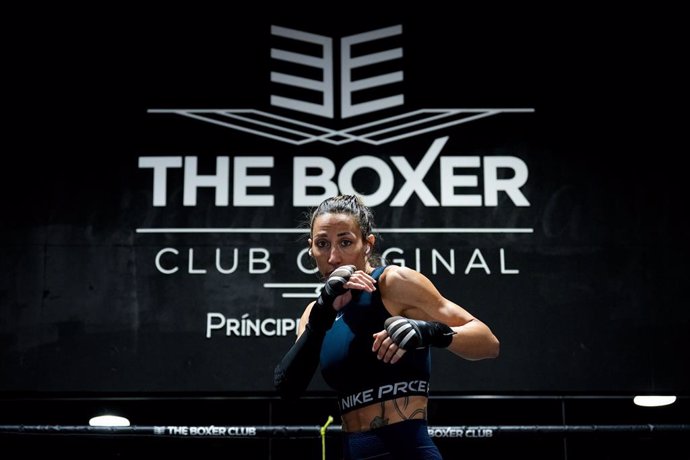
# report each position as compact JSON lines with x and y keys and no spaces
{"x":582,"y":285}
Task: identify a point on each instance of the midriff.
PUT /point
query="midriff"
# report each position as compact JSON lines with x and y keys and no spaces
{"x":385,"y":413}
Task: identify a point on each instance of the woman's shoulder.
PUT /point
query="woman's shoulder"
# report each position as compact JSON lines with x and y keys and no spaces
{"x":396,"y":273}
{"x":402,"y":290}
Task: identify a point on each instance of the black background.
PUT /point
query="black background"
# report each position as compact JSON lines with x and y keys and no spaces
{"x":596,"y":307}
{"x":595,"y":315}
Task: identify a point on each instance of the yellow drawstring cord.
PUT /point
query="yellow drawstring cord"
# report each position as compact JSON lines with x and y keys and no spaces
{"x":323,"y":437}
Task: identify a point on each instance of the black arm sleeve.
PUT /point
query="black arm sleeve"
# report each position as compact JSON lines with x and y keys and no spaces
{"x":294,"y":372}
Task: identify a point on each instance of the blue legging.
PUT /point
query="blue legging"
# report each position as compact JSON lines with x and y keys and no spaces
{"x":403,"y":440}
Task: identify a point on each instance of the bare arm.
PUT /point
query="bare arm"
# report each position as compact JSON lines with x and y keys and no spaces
{"x":408,"y":293}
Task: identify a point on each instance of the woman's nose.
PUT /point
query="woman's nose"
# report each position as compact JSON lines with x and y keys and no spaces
{"x":334,"y":256}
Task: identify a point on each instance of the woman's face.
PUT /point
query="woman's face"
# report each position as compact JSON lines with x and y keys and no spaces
{"x":337,"y":240}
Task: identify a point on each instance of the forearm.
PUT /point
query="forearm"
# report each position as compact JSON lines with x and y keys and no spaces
{"x":294,"y":372}
{"x":474,"y":341}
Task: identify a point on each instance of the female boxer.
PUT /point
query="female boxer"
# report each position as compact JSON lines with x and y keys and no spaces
{"x":370,"y":329}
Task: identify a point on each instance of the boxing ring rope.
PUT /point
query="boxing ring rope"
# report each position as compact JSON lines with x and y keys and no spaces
{"x":316,"y":431}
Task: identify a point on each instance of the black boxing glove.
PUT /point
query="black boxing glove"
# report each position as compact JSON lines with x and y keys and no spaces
{"x":322,"y":313}
{"x":409,"y":334}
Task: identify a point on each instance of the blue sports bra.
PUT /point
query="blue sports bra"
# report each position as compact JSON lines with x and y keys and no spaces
{"x":350,"y":367}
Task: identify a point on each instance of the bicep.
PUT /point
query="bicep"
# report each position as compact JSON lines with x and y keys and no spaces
{"x":451,"y":314}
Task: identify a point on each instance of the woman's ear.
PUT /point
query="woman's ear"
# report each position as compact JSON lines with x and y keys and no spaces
{"x":371,"y":240}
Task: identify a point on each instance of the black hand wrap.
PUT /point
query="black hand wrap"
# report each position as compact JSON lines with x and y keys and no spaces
{"x":322,"y":313}
{"x":409,"y":334}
